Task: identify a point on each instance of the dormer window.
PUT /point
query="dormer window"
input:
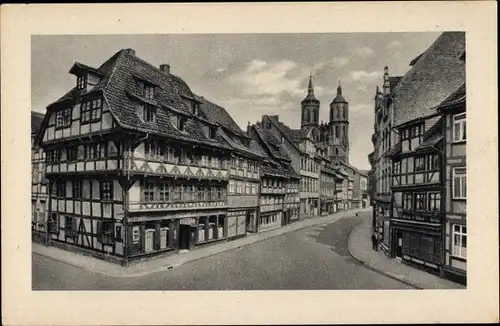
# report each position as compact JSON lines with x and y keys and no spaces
{"x":181,"y":123}
{"x":63,"y":117}
{"x":282,"y":140}
{"x":149,"y":91}
{"x":149,"y":113}
{"x":195,"y":108}
{"x":212,"y":132}
{"x":81,"y":82}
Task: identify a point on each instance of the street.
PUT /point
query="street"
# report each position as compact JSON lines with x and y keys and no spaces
{"x":313,"y":258}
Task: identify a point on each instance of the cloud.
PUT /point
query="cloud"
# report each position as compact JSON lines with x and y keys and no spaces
{"x":262,"y":78}
{"x":364,"y":51}
{"x":336,"y":62}
{"x":394,"y":45}
{"x":364,"y":76}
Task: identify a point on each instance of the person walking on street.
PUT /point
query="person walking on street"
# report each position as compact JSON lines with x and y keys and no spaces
{"x":374,"y":240}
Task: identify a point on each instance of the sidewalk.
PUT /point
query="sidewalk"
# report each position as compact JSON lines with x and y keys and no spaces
{"x":360,"y":247}
{"x":161,"y":264}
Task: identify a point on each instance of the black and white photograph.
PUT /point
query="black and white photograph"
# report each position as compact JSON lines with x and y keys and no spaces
{"x":297,"y":162}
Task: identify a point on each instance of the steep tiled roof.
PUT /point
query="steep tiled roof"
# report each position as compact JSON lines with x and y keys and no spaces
{"x":119,"y":84}
{"x":272,"y":144}
{"x":437,"y":74}
{"x":36,"y":121}
{"x":294,"y":136}
{"x":394,"y":80}
{"x":217,"y":114}
{"x":456,"y":97}
{"x":429,"y":143}
{"x":81,"y":66}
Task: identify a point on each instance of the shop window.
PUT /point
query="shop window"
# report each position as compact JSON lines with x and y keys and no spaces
{"x":460,"y":241}
{"x":459,"y":183}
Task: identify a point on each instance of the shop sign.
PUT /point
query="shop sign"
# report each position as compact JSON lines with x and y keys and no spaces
{"x":188,"y":221}
{"x":136,"y":234}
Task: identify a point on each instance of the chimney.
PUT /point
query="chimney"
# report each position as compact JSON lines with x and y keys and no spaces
{"x":129,"y":51}
{"x":165,"y":68}
{"x":387,"y":86}
{"x":248,"y":128}
{"x":276,"y":117}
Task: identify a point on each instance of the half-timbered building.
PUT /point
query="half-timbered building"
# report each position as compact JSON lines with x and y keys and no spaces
{"x":136,"y":165}
{"x":39,"y":195}
{"x":279,"y":193}
{"x":453,"y":111}
{"x":417,"y":222}
{"x":244,"y":171}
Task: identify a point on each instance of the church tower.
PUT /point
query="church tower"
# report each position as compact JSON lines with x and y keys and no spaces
{"x":339,"y":128}
{"x":310,"y":108}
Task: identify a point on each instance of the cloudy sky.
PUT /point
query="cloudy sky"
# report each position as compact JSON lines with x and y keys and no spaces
{"x":249,"y":74}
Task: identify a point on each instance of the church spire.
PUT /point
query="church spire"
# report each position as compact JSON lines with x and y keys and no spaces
{"x":339,"y":89}
{"x":310,"y":88}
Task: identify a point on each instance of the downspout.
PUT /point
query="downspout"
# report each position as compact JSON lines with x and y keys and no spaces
{"x":126,"y":201}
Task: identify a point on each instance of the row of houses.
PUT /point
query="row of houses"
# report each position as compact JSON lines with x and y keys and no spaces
{"x":419,"y":161}
{"x":130,"y":163}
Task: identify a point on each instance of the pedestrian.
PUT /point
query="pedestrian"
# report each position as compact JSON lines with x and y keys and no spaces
{"x":374,"y":239}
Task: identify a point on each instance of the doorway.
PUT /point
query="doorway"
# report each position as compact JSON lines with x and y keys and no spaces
{"x":184,"y":237}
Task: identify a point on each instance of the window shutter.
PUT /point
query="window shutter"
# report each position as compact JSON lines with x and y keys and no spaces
{"x":99,"y":231}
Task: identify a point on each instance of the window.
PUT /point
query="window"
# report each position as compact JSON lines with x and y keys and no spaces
{"x":63,"y":118}
{"x":53,"y":223}
{"x":407,"y":201}
{"x":181,"y":123}
{"x":92,"y":151}
{"x":419,"y":163}
{"x":106,"y":190}
{"x":397,"y":167}
{"x":105,"y":232}
{"x":432,"y":162}
{"x":231,"y":186}
{"x":91,"y":111}
{"x":164,"y":191}
{"x":153,"y":149}
{"x":61,"y":189}
{"x":148,"y":113}
{"x":148,"y":191}
{"x":201,"y":192}
{"x":404,"y":134}
{"x":459,"y":126}
{"x":72,"y":154}
{"x":69,"y":225}
{"x":337,"y":132}
{"x":434,"y":202}
{"x":81,"y":82}
{"x":459,"y":183}
{"x":419,"y":202}
{"x":77,"y":188}
{"x":149,"y":91}
{"x":460,"y":241}
{"x":213,"y":132}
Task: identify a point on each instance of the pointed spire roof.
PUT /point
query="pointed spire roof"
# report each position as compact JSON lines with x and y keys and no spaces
{"x":310,"y":90}
{"x":339,"y":98}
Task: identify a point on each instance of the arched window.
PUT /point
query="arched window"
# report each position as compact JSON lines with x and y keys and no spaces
{"x":307,"y":115}
{"x":337,"y":132}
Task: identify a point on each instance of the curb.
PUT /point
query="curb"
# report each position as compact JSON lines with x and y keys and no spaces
{"x":168,"y":267}
{"x":364,"y":264}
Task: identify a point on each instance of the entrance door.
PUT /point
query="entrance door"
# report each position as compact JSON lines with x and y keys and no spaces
{"x":399,"y":244}
{"x":184,"y":236}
